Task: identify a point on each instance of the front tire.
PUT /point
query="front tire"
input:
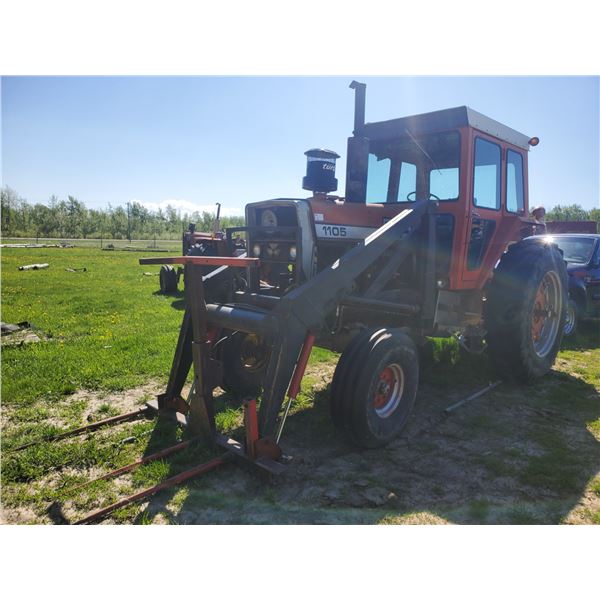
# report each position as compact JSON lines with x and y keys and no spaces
{"x":525,"y":310}
{"x":375,"y":386}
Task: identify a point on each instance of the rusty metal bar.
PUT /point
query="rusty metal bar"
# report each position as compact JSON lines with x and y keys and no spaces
{"x":211,"y":261}
{"x":91,"y":427}
{"x":251,"y":423}
{"x":167,"y":483}
{"x":142,"y":461}
{"x":477,"y":394}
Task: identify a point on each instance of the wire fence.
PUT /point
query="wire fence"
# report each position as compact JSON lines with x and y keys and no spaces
{"x":104,"y":243}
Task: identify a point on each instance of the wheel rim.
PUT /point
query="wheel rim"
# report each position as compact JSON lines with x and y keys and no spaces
{"x":388,"y":391}
{"x":253,"y":353}
{"x":545,"y":317}
{"x":570,"y":319}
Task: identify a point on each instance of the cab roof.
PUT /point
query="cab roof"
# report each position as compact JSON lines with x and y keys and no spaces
{"x":450,"y":118}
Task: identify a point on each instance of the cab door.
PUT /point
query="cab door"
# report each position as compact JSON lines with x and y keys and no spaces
{"x":484,"y":214}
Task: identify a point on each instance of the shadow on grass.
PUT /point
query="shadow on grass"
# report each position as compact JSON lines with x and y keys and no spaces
{"x":516,"y":455}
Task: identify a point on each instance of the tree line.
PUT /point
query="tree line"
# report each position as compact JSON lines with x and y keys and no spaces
{"x":71,"y":219}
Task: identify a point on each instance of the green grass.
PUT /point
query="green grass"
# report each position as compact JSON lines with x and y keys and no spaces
{"x":107,"y":327}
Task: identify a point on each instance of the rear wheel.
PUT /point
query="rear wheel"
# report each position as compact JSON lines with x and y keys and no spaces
{"x":525,"y":310}
{"x":168,"y":279}
{"x":375,"y":386}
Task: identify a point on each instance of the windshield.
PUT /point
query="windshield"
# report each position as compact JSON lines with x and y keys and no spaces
{"x":414,"y":167}
{"x":576,"y":250}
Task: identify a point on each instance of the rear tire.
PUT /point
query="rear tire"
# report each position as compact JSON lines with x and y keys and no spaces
{"x":525,"y":310}
{"x":375,"y":387}
{"x":168,"y":280}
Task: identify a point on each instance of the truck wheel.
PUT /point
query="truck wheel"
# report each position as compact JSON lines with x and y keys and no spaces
{"x":525,"y":310}
{"x":571,"y":319}
{"x":245,"y":357}
{"x":168,"y":280}
{"x":375,"y":387}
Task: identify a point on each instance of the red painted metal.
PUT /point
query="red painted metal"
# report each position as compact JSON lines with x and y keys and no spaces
{"x":167,"y":483}
{"x":508,"y":225}
{"x":384,"y":388}
{"x":212,"y":261}
{"x":251,"y":423}
{"x":301,"y":365}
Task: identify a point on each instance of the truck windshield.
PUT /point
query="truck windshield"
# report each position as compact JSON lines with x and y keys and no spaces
{"x":414,"y":167}
{"x":576,"y":249}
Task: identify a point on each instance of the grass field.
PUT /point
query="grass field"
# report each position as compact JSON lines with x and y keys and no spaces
{"x":516,"y":455}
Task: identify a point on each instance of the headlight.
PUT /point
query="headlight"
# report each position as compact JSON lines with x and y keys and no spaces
{"x":256,"y":249}
{"x":268,"y":219}
{"x":293,"y":252}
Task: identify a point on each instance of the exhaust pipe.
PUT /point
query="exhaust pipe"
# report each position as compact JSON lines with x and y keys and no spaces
{"x":359,"y":105}
{"x":358,"y":150}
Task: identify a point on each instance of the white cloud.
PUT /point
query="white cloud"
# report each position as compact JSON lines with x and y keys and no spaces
{"x":185,"y":206}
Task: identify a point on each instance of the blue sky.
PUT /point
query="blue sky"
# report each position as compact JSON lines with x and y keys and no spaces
{"x":194,"y":141}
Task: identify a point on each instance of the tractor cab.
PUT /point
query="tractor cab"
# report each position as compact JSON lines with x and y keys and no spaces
{"x":475,"y":168}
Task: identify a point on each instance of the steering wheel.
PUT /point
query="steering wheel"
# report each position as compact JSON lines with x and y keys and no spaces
{"x":415,"y":193}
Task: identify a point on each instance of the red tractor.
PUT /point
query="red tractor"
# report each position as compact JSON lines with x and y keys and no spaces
{"x":427,"y":241}
{"x":197,"y":243}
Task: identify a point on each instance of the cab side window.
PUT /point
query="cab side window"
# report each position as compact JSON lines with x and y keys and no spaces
{"x":514,"y":182}
{"x":377,"y":182}
{"x":486,"y":174}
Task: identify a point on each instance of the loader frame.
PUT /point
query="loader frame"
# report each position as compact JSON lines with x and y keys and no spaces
{"x":287,"y":322}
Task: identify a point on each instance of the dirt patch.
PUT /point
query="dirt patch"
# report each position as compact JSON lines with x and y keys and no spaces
{"x":117,"y":402}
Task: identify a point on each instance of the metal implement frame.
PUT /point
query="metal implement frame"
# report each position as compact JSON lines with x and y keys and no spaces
{"x":285,"y":322}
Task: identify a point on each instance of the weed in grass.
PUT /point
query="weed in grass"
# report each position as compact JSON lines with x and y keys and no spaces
{"x":144,"y":518}
{"x":152,"y":473}
{"x":478,"y":511}
{"x":556,"y":469}
{"x":521,"y":515}
{"x":229,"y":419}
{"x":496,"y":465}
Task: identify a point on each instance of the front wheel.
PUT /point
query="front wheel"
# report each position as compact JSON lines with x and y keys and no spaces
{"x":375,"y":386}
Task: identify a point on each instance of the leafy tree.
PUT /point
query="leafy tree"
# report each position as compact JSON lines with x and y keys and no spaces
{"x":572,"y":212}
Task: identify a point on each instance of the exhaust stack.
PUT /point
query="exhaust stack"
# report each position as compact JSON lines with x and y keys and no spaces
{"x":359,"y":105}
